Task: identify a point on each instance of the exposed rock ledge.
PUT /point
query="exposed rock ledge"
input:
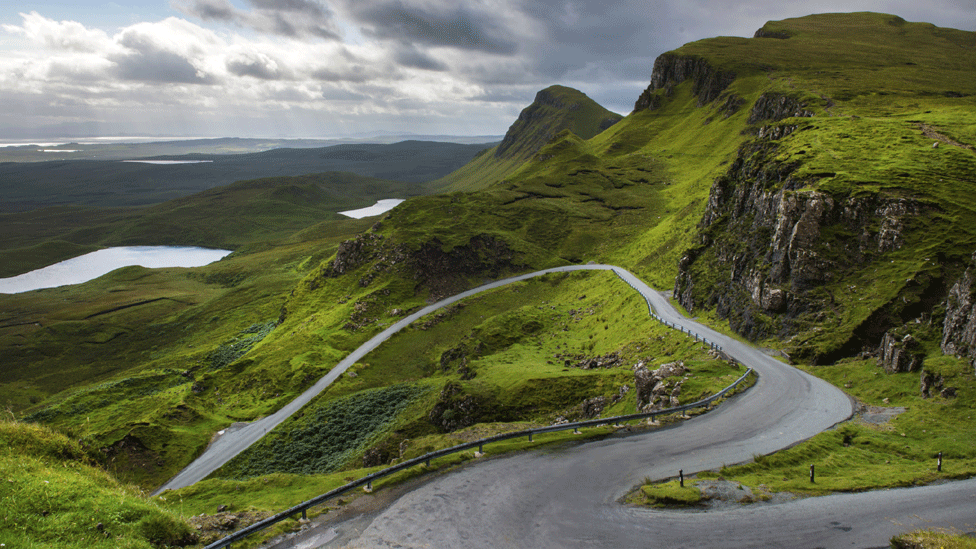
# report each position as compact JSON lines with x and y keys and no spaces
{"x":672,"y":69}
{"x":959,"y":328}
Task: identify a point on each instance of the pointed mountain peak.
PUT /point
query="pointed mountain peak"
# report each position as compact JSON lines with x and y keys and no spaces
{"x":555,"y":109}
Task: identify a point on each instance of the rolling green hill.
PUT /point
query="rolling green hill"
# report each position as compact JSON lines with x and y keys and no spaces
{"x":29,"y":186}
{"x":809,"y":188}
{"x":254,"y":213}
{"x":55,"y":496}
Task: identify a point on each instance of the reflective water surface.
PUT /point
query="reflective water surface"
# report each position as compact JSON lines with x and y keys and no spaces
{"x":95,"y":264}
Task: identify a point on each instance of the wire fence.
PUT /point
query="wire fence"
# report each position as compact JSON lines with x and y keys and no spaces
{"x":367,"y":481}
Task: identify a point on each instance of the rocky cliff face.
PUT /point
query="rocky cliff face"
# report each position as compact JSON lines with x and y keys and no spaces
{"x":767,"y":242}
{"x":959,"y":328}
{"x":670,"y":70}
{"x":775,"y":106}
{"x":442,"y":272}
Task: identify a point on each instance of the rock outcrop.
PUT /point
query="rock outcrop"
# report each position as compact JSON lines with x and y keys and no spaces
{"x":658,"y":389}
{"x":934,"y":384}
{"x":443,"y":272}
{"x":593,"y":407}
{"x":771,"y":107}
{"x":671,"y":69}
{"x":766,"y":243}
{"x":455,"y":409}
{"x":959,"y":328}
{"x":763,"y":33}
{"x":900,"y":354}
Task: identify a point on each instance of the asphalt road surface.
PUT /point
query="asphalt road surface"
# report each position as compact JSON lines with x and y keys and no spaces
{"x":235,"y":440}
{"x":568,"y":496}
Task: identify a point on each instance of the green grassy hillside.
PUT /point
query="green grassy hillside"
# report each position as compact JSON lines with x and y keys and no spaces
{"x":555,"y":109}
{"x":52,"y":495}
{"x":785,"y":185}
{"x":251,"y":213}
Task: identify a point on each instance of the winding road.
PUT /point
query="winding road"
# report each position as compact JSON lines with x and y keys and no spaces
{"x":567,"y":497}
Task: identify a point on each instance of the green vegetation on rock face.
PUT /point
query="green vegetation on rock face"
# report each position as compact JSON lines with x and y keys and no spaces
{"x":788,"y":182}
{"x":845,"y":214}
{"x":555,"y":109}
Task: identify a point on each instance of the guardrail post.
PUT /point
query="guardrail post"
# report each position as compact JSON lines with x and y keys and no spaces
{"x":369,"y":486}
{"x":681,"y":477}
{"x":940,"y":462}
{"x":427,"y":462}
{"x":811,"y":473}
{"x":304,"y":515}
{"x":576,"y":430}
{"x":481,"y":448}
{"x":530,"y":437}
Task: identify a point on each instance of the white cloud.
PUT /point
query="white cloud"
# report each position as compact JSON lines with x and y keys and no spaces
{"x":327,"y":66}
{"x":61,"y":35}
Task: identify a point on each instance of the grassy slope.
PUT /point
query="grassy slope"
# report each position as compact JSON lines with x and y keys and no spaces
{"x":129,"y":345}
{"x":866,"y":140}
{"x":512,"y":373}
{"x":51,"y":495}
{"x":872,"y":81}
{"x":631,"y":195}
{"x":555,"y":109}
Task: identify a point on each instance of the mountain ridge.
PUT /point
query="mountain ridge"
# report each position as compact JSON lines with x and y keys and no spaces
{"x":555,"y":109}
{"x":800,"y":203}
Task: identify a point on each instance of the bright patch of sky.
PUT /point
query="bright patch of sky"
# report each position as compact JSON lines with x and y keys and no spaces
{"x":294,"y":68}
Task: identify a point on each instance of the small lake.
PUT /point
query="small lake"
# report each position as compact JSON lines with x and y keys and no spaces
{"x":381,"y":207}
{"x":95,"y":264}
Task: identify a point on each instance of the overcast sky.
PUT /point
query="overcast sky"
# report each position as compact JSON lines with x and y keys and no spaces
{"x":325,"y":68}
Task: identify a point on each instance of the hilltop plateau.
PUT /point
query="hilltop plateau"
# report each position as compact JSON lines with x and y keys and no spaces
{"x":809,"y":188}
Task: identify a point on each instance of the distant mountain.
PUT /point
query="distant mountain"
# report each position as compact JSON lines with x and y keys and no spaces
{"x":810,"y":186}
{"x":105,"y":183}
{"x":555,"y":109}
{"x":76,"y":148}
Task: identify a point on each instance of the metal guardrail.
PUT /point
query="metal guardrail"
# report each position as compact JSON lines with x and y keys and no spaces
{"x":426,"y":458}
{"x":367,"y":480}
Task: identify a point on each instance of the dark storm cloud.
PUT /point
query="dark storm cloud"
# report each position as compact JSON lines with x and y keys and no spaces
{"x":304,"y":7}
{"x":291,"y":18}
{"x":407,"y":56}
{"x":353,"y":74}
{"x":581,"y":33}
{"x":452,"y":26}
{"x":506,"y":95}
{"x":209,"y":10}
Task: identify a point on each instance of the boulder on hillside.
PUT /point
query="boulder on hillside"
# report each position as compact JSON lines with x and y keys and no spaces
{"x":899,"y":355}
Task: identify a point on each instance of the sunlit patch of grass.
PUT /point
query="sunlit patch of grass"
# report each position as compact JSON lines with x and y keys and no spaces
{"x":51,"y":494}
{"x":933,"y":539}
{"x":859,"y":456}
